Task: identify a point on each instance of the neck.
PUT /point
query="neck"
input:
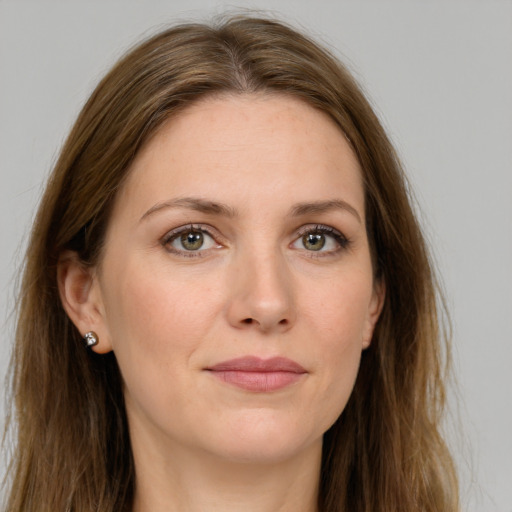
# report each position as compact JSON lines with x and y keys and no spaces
{"x":201,"y":482}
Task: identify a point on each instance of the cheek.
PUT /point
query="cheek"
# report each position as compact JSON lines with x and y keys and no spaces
{"x":340,"y":368}
{"x":338,"y":314}
{"x":156,"y":322}
{"x":158,"y":309}
{"x":338,"y":308}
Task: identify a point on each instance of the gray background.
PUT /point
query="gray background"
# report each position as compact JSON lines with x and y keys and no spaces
{"x":440,"y":75}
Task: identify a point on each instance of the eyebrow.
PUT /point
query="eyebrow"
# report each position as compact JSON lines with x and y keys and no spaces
{"x":324,"y":206}
{"x":193,"y":203}
{"x":215,"y":208}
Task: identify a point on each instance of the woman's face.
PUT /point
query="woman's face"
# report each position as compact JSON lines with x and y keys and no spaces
{"x":236,"y":286}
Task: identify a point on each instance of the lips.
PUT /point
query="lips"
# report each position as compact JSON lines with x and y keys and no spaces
{"x":258,"y":375}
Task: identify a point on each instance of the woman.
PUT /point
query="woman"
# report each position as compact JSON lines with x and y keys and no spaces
{"x":227,"y":301}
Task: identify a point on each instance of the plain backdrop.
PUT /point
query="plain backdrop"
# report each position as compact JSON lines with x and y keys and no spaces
{"x":440,"y":76}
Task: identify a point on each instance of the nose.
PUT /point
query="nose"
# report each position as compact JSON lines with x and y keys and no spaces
{"x":261,"y":294}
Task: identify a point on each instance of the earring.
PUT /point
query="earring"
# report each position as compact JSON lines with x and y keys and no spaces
{"x":91,"y":338}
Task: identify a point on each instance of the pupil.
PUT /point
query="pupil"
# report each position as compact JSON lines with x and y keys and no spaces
{"x":192,"y":240}
{"x":313,"y":242}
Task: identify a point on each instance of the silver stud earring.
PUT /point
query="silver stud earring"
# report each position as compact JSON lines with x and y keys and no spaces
{"x":91,"y":338}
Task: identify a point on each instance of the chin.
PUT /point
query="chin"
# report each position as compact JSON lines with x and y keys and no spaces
{"x":264,"y":440}
{"x":262,"y":453}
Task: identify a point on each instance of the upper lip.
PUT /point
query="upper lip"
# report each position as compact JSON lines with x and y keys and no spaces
{"x":257,"y":364}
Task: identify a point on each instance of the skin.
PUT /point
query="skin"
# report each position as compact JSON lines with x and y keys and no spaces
{"x":255,"y":287}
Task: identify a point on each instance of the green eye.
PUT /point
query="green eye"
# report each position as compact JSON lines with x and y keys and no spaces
{"x":313,"y":241}
{"x":189,"y":240}
{"x":321,"y":239}
{"x":192,"y":240}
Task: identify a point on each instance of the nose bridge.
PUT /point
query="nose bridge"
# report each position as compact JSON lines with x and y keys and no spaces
{"x":262,"y":292}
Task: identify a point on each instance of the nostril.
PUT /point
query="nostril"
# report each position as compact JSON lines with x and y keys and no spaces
{"x":250,"y":321}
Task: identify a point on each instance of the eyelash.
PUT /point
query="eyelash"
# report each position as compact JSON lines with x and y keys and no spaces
{"x":175,"y":233}
{"x":341,"y":240}
{"x":319,"y":229}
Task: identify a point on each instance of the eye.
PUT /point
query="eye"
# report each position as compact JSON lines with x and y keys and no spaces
{"x":314,"y":241}
{"x":189,"y":239}
{"x":321,"y":239}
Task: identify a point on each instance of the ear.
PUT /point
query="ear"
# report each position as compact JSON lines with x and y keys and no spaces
{"x":374,"y":310}
{"x":81,"y":298}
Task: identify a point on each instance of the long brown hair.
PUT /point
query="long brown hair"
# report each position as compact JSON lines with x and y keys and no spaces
{"x":385,"y":452}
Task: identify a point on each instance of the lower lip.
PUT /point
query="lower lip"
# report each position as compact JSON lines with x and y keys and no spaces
{"x":260,"y":382}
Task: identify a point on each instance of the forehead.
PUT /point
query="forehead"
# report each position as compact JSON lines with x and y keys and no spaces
{"x":246,"y":149}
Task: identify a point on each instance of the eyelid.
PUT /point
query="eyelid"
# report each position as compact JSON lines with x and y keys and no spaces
{"x":176,"y":232}
{"x":319,"y":228}
{"x":342,"y":241}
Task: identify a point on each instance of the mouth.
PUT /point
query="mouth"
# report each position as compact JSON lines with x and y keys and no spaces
{"x":258,"y":375}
